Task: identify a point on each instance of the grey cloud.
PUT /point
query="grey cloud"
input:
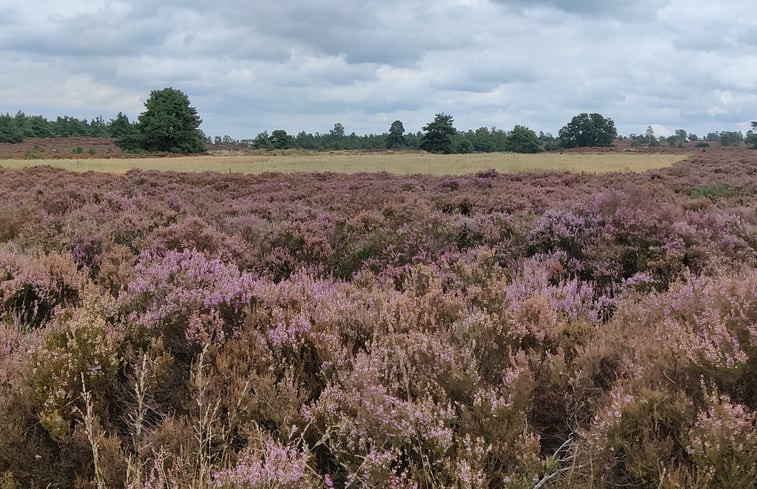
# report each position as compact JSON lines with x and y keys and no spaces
{"x":253,"y":66}
{"x":622,"y":9}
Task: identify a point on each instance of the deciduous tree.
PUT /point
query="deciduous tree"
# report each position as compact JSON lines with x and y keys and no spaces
{"x":522,"y":140}
{"x":588,"y":130}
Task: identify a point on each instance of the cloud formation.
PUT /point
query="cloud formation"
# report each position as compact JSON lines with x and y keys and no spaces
{"x":305,"y":65}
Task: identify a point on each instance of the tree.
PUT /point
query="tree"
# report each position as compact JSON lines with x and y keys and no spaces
{"x":170,"y":124}
{"x":337,"y":131}
{"x":437,"y":137}
{"x":262,"y":141}
{"x":10,"y":131}
{"x":279,"y":139}
{"x":483,"y":140}
{"x":752,"y":135}
{"x":731,"y":138}
{"x":522,"y":140}
{"x":125,"y":134}
{"x":463,"y":146}
{"x":396,"y":138}
{"x":588,"y":130}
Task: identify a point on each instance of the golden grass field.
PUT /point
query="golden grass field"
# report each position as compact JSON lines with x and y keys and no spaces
{"x":396,"y":163}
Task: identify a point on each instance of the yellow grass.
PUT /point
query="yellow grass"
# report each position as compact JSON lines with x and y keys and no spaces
{"x":397,"y":163}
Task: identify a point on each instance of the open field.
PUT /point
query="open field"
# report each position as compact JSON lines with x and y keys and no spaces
{"x":395,"y":163}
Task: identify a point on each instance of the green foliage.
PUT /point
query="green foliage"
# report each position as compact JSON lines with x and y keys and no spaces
{"x":10,"y":131}
{"x":522,"y":140}
{"x":77,"y":150}
{"x":262,"y":141}
{"x":35,"y":153}
{"x":588,"y":130}
{"x":170,"y":124}
{"x":463,"y":146}
{"x":483,"y":140}
{"x":751,"y":136}
{"x":713,"y":191}
{"x":281,"y":140}
{"x":396,"y":138}
{"x":437,"y":137}
{"x":731,"y":138}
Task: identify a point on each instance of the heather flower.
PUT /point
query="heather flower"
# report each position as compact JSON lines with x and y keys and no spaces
{"x":723,"y":441}
{"x":204,"y":297}
{"x":272,"y":466}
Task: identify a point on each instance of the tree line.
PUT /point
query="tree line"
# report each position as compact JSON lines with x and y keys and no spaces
{"x":170,"y":124}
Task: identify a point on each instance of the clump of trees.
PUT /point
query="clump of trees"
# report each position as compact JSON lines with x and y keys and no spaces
{"x":168,"y":124}
{"x":16,"y":128}
{"x":587,"y":130}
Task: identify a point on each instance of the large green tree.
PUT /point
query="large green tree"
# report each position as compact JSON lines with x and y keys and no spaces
{"x":588,"y":130}
{"x":169,"y":123}
{"x":396,"y":136}
{"x":281,"y":140}
{"x":522,"y":140}
{"x":437,"y":135}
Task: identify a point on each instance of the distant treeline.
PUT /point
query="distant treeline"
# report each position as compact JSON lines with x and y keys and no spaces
{"x":16,"y":128}
{"x":725,"y":138}
{"x":483,"y":140}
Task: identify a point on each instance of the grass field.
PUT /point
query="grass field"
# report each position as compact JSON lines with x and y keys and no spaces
{"x":396,"y":163}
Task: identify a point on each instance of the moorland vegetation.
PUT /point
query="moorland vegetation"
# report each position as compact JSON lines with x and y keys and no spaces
{"x":323,"y":330}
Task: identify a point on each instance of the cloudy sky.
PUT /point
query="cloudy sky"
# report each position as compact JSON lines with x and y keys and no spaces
{"x":249,"y":66}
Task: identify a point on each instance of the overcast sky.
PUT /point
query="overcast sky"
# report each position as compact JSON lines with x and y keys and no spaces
{"x":305,"y":65}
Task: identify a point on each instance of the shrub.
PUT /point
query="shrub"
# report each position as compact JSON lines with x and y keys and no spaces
{"x":186,"y":298}
{"x":32,"y":287}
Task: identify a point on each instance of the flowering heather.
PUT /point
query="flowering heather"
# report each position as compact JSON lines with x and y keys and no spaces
{"x":328,"y":330}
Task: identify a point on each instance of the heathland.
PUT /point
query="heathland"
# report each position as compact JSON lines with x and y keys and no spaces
{"x":299,"y":330}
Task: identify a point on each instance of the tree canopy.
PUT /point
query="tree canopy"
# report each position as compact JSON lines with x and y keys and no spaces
{"x":752,"y":136}
{"x":587,"y":130}
{"x":396,"y":138}
{"x":522,"y":140}
{"x":169,"y":123}
{"x":437,"y":135}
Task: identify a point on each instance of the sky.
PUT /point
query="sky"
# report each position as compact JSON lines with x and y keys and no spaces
{"x":251,"y":66}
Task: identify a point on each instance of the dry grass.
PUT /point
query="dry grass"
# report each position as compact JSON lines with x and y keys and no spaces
{"x":396,"y":163}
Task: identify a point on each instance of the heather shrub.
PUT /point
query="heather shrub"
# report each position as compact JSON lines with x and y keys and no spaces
{"x":710,"y":323}
{"x":80,"y":351}
{"x":12,"y":222}
{"x":186,"y":298}
{"x":635,"y":439}
{"x":553,"y":330}
{"x":722,"y":443}
{"x":266,"y":464}
{"x":195,"y":234}
{"x":32,"y":286}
